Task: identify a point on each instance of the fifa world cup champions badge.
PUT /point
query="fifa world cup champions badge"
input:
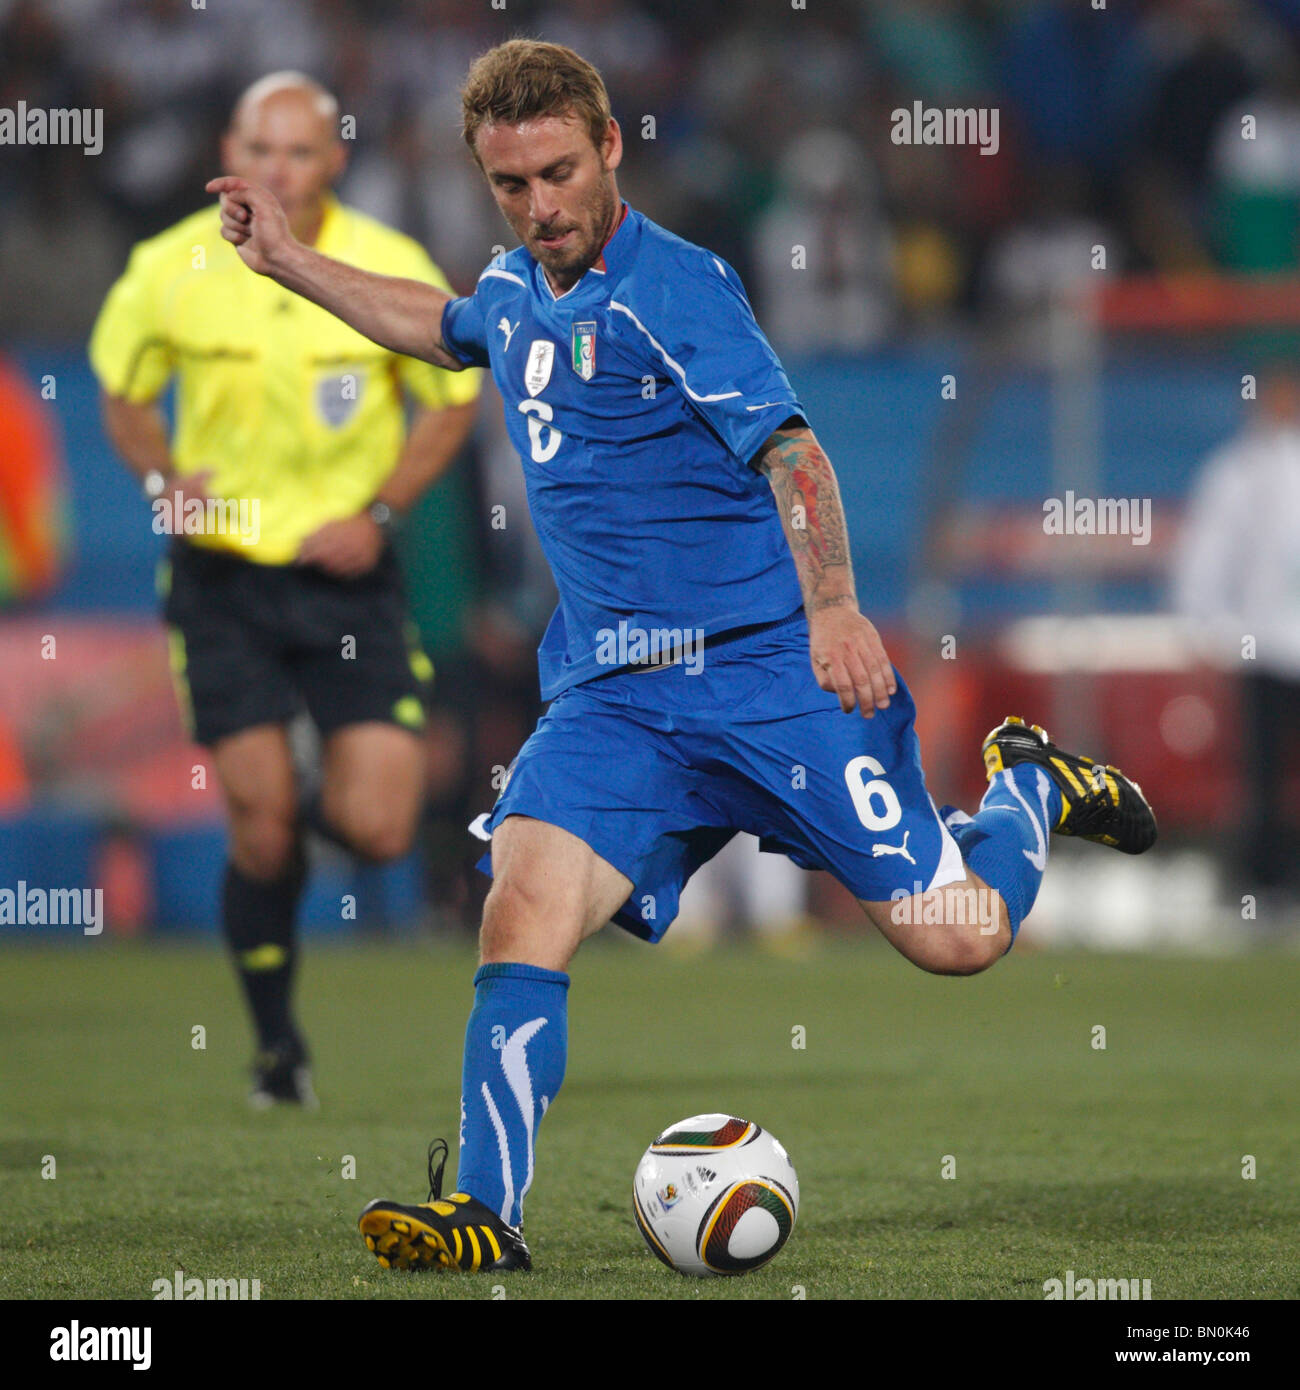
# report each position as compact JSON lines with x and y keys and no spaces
{"x":584,"y":350}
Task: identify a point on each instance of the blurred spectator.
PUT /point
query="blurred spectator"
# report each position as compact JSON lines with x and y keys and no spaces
{"x":162,"y":70}
{"x":1046,"y":253}
{"x":841,"y":297}
{"x":421,"y":178}
{"x":1256,"y":170}
{"x":1076,"y":78}
{"x":1132,"y":107}
{"x":936,"y":49}
{"x":32,"y":497}
{"x":627,"y":44}
{"x":1205,"y":67}
{"x":1237,"y":583}
{"x":32,"y":534}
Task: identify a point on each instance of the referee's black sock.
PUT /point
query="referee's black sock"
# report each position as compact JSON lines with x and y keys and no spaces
{"x":258,"y":917}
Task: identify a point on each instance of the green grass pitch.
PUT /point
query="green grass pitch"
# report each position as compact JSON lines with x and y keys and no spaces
{"x":1125,"y":1162}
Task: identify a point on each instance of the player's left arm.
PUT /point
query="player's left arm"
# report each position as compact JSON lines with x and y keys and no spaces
{"x":848,"y":657}
{"x":352,"y":545}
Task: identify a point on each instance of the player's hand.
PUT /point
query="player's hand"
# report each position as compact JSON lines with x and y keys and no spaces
{"x":346,"y":549}
{"x":253,"y":221}
{"x":849,"y":659}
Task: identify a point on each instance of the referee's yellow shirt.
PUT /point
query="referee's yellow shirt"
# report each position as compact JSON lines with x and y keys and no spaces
{"x":281,"y":400}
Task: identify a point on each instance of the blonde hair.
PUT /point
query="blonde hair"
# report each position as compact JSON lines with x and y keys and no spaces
{"x":524,"y":79}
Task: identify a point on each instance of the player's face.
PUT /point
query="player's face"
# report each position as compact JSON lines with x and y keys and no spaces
{"x":555,"y":188}
{"x":285,"y":143}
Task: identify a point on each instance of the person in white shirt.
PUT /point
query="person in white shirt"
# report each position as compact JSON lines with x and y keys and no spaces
{"x":1237,"y":582}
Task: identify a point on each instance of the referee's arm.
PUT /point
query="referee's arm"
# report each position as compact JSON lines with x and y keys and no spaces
{"x":350,"y":546}
{"x":404,"y":316}
{"x":436,"y":437}
{"x":134,"y":362}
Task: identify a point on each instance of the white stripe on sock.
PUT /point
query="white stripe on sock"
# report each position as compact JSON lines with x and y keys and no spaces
{"x":504,"y":1147}
{"x":514,"y":1062}
{"x":1039,"y":859}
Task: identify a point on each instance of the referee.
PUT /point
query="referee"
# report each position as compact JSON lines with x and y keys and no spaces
{"x":289,"y":459}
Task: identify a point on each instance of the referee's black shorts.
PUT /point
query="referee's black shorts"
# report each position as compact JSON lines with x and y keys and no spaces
{"x":255,"y":644}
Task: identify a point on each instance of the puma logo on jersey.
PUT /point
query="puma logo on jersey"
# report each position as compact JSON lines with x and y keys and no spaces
{"x":505,"y":327}
{"x":879,"y":851}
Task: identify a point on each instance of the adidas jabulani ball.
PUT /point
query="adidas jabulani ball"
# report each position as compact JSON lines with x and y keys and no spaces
{"x":715,"y":1195}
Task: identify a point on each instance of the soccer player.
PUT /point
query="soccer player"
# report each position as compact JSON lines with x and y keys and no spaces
{"x":289,"y":460}
{"x":656,"y":427}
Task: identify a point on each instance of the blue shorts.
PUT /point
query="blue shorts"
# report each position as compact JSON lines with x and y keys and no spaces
{"x":656,"y":770}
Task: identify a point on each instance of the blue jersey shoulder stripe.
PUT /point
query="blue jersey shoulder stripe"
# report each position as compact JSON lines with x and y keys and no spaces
{"x":492,"y":273}
{"x":675,"y":366}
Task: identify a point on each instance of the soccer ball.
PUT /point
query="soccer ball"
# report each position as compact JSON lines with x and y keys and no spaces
{"x":715,"y":1195}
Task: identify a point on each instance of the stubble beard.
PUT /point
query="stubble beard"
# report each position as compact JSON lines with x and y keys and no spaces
{"x":597,"y":213}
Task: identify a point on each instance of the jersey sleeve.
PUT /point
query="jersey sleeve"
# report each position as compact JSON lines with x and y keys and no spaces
{"x":464,"y":329}
{"x":129,"y":350}
{"x":701,"y":332}
{"x":434,"y":387}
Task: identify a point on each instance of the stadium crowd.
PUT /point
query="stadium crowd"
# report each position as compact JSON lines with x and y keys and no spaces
{"x":1118,"y":125}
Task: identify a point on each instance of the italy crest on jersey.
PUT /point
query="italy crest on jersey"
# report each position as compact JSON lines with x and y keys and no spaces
{"x":584,"y":350}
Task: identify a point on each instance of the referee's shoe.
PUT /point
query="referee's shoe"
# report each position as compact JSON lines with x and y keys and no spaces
{"x":281,"y":1074}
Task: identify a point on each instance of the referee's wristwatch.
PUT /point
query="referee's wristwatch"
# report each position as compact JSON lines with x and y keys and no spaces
{"x":154,"y":483}
{"x":382,"y":515}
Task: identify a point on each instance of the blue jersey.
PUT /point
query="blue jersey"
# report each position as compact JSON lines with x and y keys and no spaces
{"x":637,"y":401}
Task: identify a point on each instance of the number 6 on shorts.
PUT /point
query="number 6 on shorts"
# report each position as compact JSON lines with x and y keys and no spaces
{"x":863,"y":793}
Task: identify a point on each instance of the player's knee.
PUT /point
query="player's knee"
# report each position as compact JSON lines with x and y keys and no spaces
{"x":971,"y":930}
{"x":519,"y":924}
{"x":965,"y":950}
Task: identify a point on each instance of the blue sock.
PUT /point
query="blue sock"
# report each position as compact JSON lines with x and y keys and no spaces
{"x":1005,"y":842}
{"x":516,"y":1044}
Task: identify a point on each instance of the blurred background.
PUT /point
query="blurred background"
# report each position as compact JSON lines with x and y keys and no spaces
{"x":1104,"y":310}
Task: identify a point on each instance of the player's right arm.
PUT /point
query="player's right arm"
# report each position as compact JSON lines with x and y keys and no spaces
{"x":404,"y":316}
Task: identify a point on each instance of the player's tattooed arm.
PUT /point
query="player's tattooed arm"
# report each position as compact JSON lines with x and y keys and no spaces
{"x":847,"y":654}
{"x":808,"y":501}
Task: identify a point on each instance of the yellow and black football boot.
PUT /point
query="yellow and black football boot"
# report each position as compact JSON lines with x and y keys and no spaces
{"x":1098,"y":802}
{"x":454,"y":1232}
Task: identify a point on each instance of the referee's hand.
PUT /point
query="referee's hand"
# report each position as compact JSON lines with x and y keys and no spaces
{"x":346,"y":549}
{"x":253,"y":221}
{"x":849,"y":659}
